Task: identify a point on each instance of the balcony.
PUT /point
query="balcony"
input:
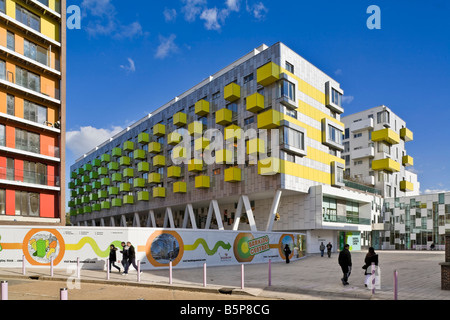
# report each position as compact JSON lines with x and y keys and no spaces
{"x":116,"y":177}
{"x":202,"y":108}
{"x":128,"y":173}
{"x":102,"y":194}
{"x":113,"y":166}
{"x":102,"y":171}
{"x":180,"y":119}
{"x":408,"y":161}
{"x":386,"y":165}
{"x":368,"y":152}
{"x":174,"y":172}
{"x":232,"y":92}
{"x":224,"y":156}
{"x":195,"y":128}
{"x":143,"y":138}
{"x":143,"y":196}
{"x":195,"y":165}
{"x":233,"y":175}
{"x":268,"y":74}
{"x":224,"y":117}
{"x":125,"y":161}
{"x":154,"y":177}
{"x":174,"y":138}
{"x":113,"y":191}
{"x":179,"y":187}
{"x":346,"y":219}
{"x":159,"y":192}
{"x":125,"y":187}
{"x":269,"y":166}
{"x":201,"y":144}
{"x":143,"y":167}
{"x":406,"y":134}
{"x":128,"y":146}
{"x":116,"y":202}
{"x":255,"y":102}
{"x":233,"y":132}
{"x":159,"y":161}
{"x":202,"y":182}
{"x":386,"y":135}
{"x":159,"y":130}
{"x":116,"y":152}
{"x":105,"y":205}
{"x":269,"y":119}
{"x":96,"y":163}
{"x":406,"y":186}
{"x":366,"y":124}
{"x":128,"y":199}
{"x":139,"y":183}
{"x":154,"y":147}
{"x":179,"y":153}
{"x":139,"y":154}
{"x":256,"y":146}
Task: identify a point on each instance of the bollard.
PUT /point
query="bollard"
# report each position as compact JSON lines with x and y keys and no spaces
{"x":395,"y":285}
{"x":270,"y":272}
{"x":4,"y":286}
{"x":51,"y":266}
{"x":107,"y":269}
{"x":78,"y":268}
{"x":242,"y":276}
{"x":170,"y":272}
{"x":204,"y":275}
{"x":23,"y":265}
{"x":139,"y":271}
{"x":63,"y":294}
{"x":373,"y":277}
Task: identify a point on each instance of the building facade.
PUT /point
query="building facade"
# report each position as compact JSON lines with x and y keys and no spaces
{"x":288,"y":176}
{"x":32,"y":111}
{"x":375,"y":152}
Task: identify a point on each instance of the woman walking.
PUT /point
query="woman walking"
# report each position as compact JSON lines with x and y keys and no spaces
{"x":371,"y":257}
{"x":113,"y":257}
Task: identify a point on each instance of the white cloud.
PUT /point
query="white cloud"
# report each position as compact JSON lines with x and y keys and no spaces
{"x":131,"y":67}
{"x":87,"y":138}
{"x":131,"y":31}
{"x":433,"y":191}
{"x":210,"y":17}
{"x":166,"y":46}
{"x":170,"y":14}
{"x":233,"y":5}
{"x":348,"y":99}
{"x":258,"y":10}
{"x":192,"y":9}
{"x":338,"y":72}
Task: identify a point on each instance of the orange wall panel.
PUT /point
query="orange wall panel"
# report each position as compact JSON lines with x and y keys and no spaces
{"x":48,"y":145}
{"x":18,"y":107}
{"x":2,"y":102}
{"x":10,"y":196}
{"x":47,"y":205}
{"x":10,"y":137}
{"x":19,"y":44}
{"x":3,"y":168}
{"x":18,"y":170}
{"x":10,"y":72}
{"x":3,"y":36}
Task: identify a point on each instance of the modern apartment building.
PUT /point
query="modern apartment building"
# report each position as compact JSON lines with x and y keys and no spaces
{"x":288,"y":176}
{"x":375,"y":152}
{"x":32,"y":111}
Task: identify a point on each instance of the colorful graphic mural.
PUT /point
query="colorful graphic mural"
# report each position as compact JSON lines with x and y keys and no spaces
{"x":155,"y":248}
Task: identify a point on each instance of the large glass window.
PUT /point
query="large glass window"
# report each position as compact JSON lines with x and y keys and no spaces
{"x":34,"y":112}
{"x":336,"y":97}
{"x":2,"y":70}
{"x":28,"y":79}
{"x":27,"y":141}
{"x":2,"y":135}
{"x":329,"y":209}
{"x":35,"y":52}
{"x":287,"y":89}
{"x":294,"y":138}
{"x":2,"y":199}
{"x":28,"y":18}
{"x":10,"y":105}
{"x":334,"y":134}
{"x":11,"y":41}
{"x":27,"y":204}
{"x":352,"y":210}
{"x":2,"y":6}
{"x":383,"y":117}
{"x":441,"y":198}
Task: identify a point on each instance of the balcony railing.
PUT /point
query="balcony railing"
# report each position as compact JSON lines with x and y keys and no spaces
{"x":31,"y":177}
{"x":346,"y":219}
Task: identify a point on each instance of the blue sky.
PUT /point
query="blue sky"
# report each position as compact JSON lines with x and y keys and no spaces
{"x":131,"y":57}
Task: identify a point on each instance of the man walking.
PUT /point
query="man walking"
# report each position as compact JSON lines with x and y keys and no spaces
{"x":329,"y":246}
{"x":125,"y":256}
{"x":345,"y":261}
{"x":131,"y":255}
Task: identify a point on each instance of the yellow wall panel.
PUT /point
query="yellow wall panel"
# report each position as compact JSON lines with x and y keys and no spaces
{"x":11,"y":8}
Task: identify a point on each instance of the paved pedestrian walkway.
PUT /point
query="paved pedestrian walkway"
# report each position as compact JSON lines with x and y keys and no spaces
{"x":419,"y":277}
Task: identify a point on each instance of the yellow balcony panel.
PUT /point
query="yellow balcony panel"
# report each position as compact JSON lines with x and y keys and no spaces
{"x":406,"y":134}
{"x":174,"y":172}
{"x":386,"y":164}
{"x":268,"y":74}
{"x":180,"y":119}
{"x":233,"y":132}
{"x":202,"y":182}
{"x":159,"y":130}
{"x":179,"y":153}
{"x":174,"y":138}
{"x":154,"y":177}
{"x":195,"y":165}
{"x":387,"y":135}
{"x":406,"y":186}
{"x":269,"y":166}
{"x":179,"y":187}
{"x":232,"y":92}
{"x":269,"y":119}
{"x":159,"y":192}
{"x":154,"y":147}
{"x":224,"y":116}
{"x":195,"y":128}
{"x":256,"y":146}
{"x":201,"y":144}
{"x":408,"y":161}
{"x":255,"y":102}
{"x":202,"y":108}
{"x":224,"y":156}
{"x":159,"y":161}
{"x":233,"y":175}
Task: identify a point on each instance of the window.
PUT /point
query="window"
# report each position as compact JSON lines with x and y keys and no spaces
{"x":441,"y":198}
{"x":27,"y":141}
{"x":34,"y":173}
{"x":10,"y":105}
{"x":28,"y":18}
{"x":347,"y":146}
{"x":347,"y":133}
{"x":2,"y":197}
{"x":216,"y":95}
{"x":358,"y":135}
{"x":249,"y":121}
{"x":357,"y":163}
{"x":34,"y":112}
{"x":336,"y":97}
{"x":233,"y":107}
{"x":11,"y":41}
{"x":334,"y":134}
{"x":383,"y":117}
{"x":216,"y":171}
{"x":2,"y":70}
{"x":27,"y":203}
{"x":2,"y":135}
{"x":287,"y":89}
{"x":35,"y":52}
{"x":329,"y":206}
{"x":291,"y":113}
{"x":44,"y":2}
{"x":289,"y":67}
{"x":28,"y":79}
{"x":2,"y":6}
{"x":10,"y":169}
{"x":384,"y":147}
{"x":294,"y":138}
{"x":248,"y":78}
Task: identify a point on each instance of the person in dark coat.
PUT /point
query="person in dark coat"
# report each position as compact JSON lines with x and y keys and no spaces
{"x":113,"y":257}
{"x":131,"y":255}
{"x":322,"y":249}
{"x":287,"y":252}
{"x":345,"y":261}
{"x":125,"y":253}
{"x":371,"y":257}
{"x":329,"y":246}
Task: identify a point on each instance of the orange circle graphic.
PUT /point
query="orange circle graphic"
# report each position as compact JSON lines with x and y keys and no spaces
{"x":43,"y":248}
{"x":162,"y":246}
{"x":283,"y":238}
